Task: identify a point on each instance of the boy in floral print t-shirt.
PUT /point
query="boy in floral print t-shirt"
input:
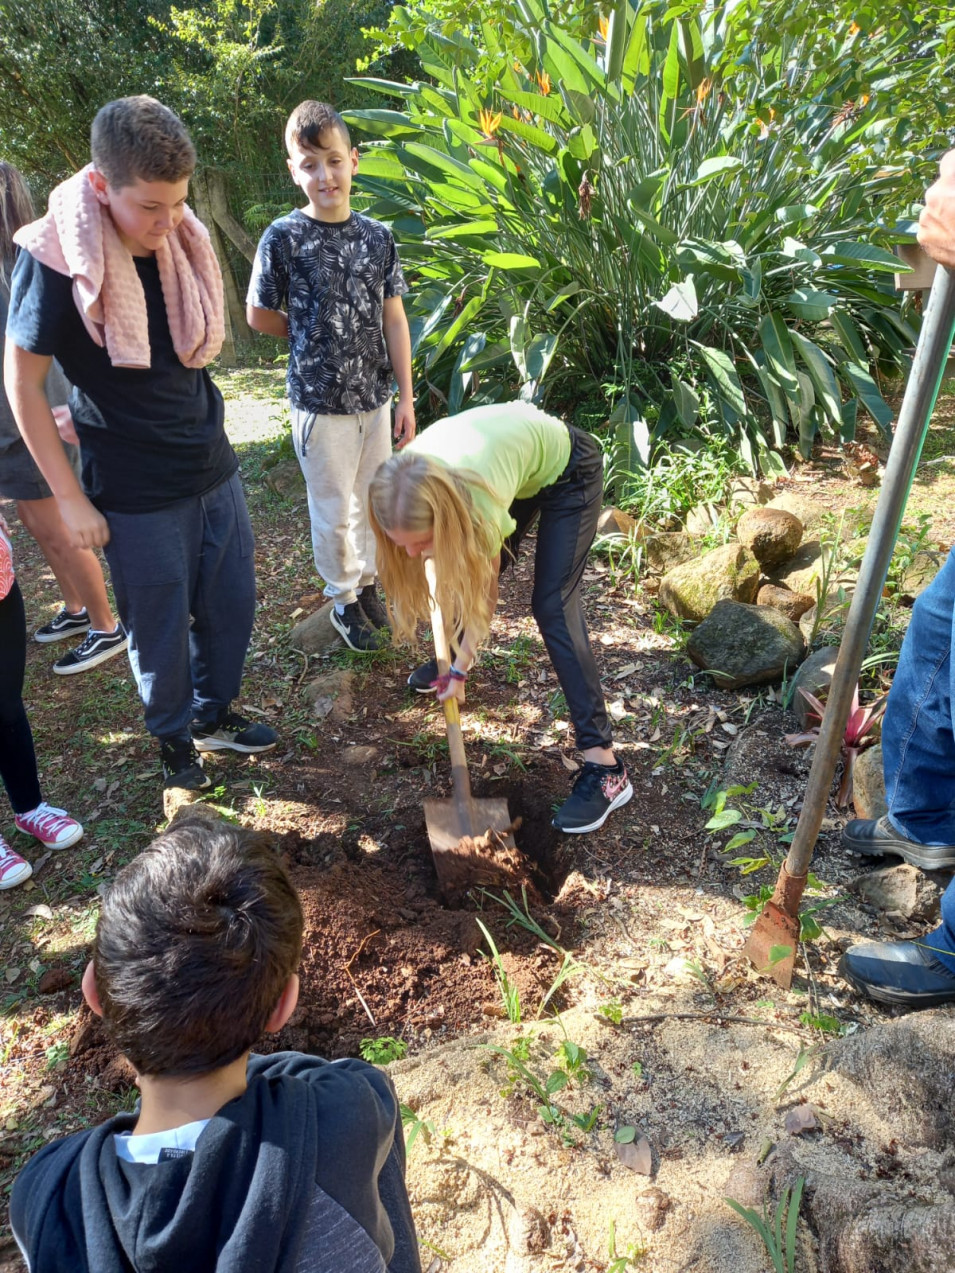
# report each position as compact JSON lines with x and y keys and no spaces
{"x":329,"y":280}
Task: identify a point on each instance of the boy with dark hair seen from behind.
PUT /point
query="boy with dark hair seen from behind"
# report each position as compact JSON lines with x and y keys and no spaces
{"x":232,"y":1161}
{"x":328,"y":280}
{"x":120,"y":284}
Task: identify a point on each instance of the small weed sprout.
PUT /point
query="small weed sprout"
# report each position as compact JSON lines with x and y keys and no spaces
{"x":510,"y":995}
{"x":621,"y":1261}
{"x":611,"y":1011}
{"x":779,"y":1232}
{"x":414,"y":1126}
{"x":572,"y":1059}
{"x":56,"y":1054}
{"x":822,"y":1022}
{"x":384,"y":1050}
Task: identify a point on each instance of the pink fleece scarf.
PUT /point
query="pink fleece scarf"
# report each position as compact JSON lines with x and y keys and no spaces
{"x":77,"y":238}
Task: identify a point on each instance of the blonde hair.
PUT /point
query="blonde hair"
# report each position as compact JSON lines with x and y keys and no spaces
{"x":16,"y":209}
{"x":418,"y":494}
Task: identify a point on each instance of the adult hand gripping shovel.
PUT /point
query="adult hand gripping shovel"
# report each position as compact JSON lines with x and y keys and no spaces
{"x":472,"y":840}
{"x":774,"y":937}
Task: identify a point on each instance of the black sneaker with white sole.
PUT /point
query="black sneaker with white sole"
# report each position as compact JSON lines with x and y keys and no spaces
{"x":63,"y":625}
{"x":232,"y":732}
{"x":181,"y":766}
{"x":356,"y":630}
{"x":372,"y":608}
{"x":422,"y":677}
{"x":96,"y":648}
{"x":598,"y":790}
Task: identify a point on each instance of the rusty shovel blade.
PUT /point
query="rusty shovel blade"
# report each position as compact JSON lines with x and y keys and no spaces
{"x":771,"y":947}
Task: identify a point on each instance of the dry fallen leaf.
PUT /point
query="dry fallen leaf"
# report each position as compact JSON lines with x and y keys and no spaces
{"x":569,"y":763}
{"x":41,"y":911}
{"x":625,"y":671}
{"x":636,"y":1155}
{"x":801,"y":1119}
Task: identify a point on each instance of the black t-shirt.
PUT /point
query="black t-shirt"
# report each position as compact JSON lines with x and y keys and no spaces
{"x":149,"y":436}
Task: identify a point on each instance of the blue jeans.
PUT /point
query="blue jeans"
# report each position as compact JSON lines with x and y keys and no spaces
{"x":184,"y":582}
{"x":918,"y":736}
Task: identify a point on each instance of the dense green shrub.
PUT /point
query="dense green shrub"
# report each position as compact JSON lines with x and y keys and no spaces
{"x":620,"y":209}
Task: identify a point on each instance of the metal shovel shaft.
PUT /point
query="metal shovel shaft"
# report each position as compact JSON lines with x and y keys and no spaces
{"x":921,"y":391}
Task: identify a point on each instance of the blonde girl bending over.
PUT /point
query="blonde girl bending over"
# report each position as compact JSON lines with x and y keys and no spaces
{"x":464,"y":492}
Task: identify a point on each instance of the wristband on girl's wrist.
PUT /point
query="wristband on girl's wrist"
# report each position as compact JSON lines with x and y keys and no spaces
{"x":456,"y":674}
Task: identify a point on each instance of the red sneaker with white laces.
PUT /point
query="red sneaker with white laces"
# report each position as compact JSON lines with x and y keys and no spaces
{"x":13,"y":868}
{"x":54,"y":828}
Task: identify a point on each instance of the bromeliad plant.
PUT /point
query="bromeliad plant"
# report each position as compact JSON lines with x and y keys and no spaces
{"x":620,"y":209}
{"x":856,"y":737}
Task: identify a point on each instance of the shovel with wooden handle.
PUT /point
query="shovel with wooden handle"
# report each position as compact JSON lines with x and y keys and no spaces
{"x":461,"y":827}
{"x":775,"y":935}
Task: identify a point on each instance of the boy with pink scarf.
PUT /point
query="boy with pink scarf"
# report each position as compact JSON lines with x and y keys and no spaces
{"x":120,"y":284}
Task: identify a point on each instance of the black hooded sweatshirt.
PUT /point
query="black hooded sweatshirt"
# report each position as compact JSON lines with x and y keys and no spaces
{"x":303,"y":1173}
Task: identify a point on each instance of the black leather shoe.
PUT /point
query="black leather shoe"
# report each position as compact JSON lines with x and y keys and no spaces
{"x":865,"y":835}
{"x":899,"y":972}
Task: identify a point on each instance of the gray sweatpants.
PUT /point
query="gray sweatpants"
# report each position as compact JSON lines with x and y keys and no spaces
{"x":339,"y":455}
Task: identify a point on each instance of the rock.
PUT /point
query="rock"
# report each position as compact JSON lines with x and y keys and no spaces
{"x":701,"y":519}
{"x":528,"y":1231}
{"x":652,"y":1207}
{"x":745,"y":645}
{"x":804,"y":571}
{"x":792,"y":604}
{"x":315,"y":634}
{"x":331,"y":695}
{"x":55,"y":979}
{"x":613,"y":523}
{"x":868,"y":784}
{"x":668,"y":549}
{"x":814,"y":675}
{"x":196,"y":812}
{"x":904,"y":1068}
{"x":355,"y":757}
{"x":920,"y":572}
{"x":690,"y":591}
{"x":811,"y":514}
{"x":286,"y":480}
{"x":903,"y":890}
{"x":749,"y":491}
{"x":175,"y":799}
{"x":747,"y":1184}
{"x":771,"y":534}
{"x":834,"y":614}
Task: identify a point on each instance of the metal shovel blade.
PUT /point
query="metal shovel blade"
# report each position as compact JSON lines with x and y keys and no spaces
{"x":774,"y":938}
{"x":457,"y":831}
{"x":771,"y":947}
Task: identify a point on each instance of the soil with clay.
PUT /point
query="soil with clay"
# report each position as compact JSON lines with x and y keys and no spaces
{"x":675,"y":1055}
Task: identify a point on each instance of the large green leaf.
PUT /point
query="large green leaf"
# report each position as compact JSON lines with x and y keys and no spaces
{"x":861,"y":253}
{"x":722,"y":371}
{"x":464,"y":229}
{"x":510,"y":260}
{"x":812,"y":305}
{"x":680,"y":302}
{"x":719,"y":166}
{"x":774,"y":335}
{"x":868,"y":394}
{"x":821,"y":373}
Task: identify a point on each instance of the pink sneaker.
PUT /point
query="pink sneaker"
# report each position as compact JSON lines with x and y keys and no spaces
{"x":13,"y":869}
{"x":54,"y":828}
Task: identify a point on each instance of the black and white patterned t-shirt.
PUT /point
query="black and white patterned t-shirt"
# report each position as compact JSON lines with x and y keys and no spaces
{"x":332,"y":279}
